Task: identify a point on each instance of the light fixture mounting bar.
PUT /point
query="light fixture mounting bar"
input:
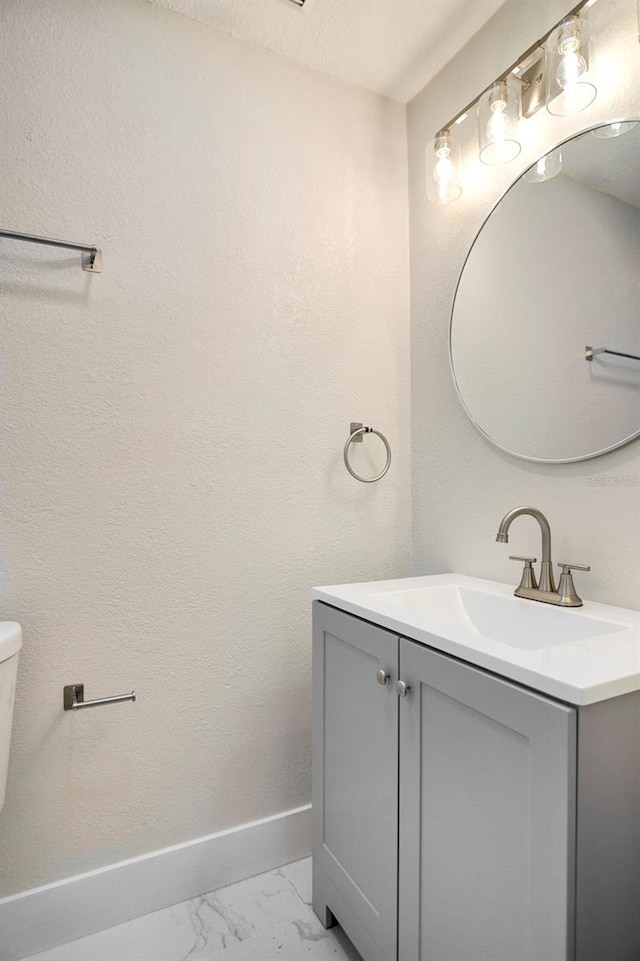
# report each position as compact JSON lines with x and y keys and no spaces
{"x":525,"y":58}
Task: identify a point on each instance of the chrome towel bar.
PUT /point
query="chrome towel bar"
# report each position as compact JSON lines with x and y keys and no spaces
{"x":73,"y":698}
{"x":91,"y":255}
{"x":590,"y":353}
{"x":355,"y":437}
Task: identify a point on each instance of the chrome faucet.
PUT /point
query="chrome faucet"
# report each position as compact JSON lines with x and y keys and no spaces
{"x":565,"y":594}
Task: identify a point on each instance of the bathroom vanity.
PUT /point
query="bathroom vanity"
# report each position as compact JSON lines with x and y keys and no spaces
{"x":476,"y":773}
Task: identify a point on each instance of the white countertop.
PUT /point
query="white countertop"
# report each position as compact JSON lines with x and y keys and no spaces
{"x":581,"y":671}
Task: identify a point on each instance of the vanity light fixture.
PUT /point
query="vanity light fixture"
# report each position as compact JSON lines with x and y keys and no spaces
{"x":443,"y":165}
{"x":498,"y":117}
{"x":546,"y":168}
{"x":566,"y":61}
{"x":553,"y":72}
{"x":617,"y":129}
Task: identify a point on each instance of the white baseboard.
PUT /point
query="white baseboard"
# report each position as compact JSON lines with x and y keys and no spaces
{"x":56,"y":913}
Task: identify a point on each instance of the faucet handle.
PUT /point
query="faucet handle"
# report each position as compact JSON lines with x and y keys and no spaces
{"x":566,"y":588}
{"x":528,"y":579}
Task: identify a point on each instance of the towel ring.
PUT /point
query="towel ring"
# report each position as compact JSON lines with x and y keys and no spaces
{"x":357,"y":431}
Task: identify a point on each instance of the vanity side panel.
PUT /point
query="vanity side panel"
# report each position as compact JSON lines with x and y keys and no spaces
{"x":608,"y":848}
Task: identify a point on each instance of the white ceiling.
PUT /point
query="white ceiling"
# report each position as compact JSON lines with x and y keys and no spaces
{"x":393,"y":47}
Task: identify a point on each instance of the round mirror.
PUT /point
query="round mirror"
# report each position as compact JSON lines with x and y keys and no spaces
{"x":545,"y":327}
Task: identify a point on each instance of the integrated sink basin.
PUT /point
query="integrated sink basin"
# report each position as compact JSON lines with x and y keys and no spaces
{"x":526,"y":625}
{"x":580,"y":655}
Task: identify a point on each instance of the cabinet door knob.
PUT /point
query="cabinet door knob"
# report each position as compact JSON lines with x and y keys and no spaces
{"x":402,"y":688}
{"x":382,"y":676}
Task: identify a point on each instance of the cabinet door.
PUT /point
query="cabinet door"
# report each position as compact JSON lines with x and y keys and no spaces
{"x":487,"y":802}
{"x":355,"y":772}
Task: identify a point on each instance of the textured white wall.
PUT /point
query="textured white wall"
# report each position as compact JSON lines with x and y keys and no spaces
{"x":462,"y":485}
{"x":172,"y":482}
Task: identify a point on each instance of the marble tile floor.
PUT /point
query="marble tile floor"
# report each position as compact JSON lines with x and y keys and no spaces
{"x":266,"y":918}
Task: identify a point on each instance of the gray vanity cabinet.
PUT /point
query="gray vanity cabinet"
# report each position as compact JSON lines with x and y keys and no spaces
{"x":465,"y":817}
{"x":487,"y":794}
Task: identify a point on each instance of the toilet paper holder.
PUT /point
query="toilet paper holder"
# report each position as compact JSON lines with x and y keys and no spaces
{"x":73,"y":698}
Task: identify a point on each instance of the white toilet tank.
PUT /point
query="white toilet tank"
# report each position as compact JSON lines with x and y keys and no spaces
{"x":10,"y":644}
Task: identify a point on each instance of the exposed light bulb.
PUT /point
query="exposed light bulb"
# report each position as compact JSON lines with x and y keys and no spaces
{"x":442,"y":185}
{"x":570,"y":69}
{"x":496,"y":134}
{"x":546,"y":168}
{"x":617,"y":129}
{"x":566,"y":63}
{"x":498,"y":116}
{"x":443,"y":174}
{"x":497,"y":126}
